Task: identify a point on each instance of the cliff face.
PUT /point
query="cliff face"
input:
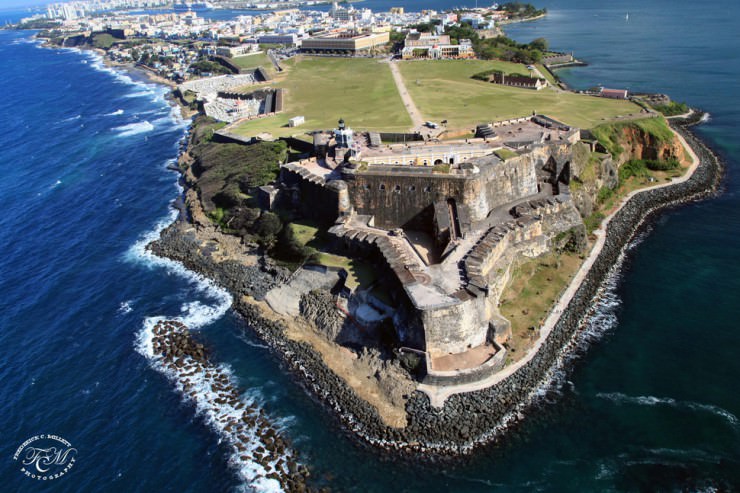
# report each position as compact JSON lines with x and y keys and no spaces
{"x":592,"y":171}
{"x":640,"y":144}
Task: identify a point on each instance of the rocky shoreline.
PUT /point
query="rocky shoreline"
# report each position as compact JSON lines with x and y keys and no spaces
{"x":467,"y":420}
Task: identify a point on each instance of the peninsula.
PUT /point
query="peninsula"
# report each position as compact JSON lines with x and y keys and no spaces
{"x":416,"y":220}
{"x":423,"y":274}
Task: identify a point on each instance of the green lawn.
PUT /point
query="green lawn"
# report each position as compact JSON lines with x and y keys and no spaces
{"x":253,"y":61}
{"x":360,"y":274}
{"x":324,"y":90}
{"x":305,"y":231}
{"x":505,"y":154}
{"x":443,"y":90}
{"x":362,"y":92}
{"x":546,"y":73}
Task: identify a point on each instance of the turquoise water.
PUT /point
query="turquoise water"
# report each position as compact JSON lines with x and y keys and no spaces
{"x":651,"y":405}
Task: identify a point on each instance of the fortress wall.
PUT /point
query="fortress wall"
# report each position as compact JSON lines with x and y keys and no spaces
{"x":406,"y":200}
{"x":501,"y":183}
{"x":455,"y":329}
{"x":315,"y":200}
{"x":401,"y":200}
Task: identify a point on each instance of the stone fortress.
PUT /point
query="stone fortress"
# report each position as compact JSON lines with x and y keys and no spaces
{"x":448,"y":219}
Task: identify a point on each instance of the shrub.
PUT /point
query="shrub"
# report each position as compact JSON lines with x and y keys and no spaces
{"x":672,"y":109}
{"x":635,"y":167}
{"x":605,"y":193}
{"x":665,"y":165}
{"x":593,"y":221}
{"x":267,"y":228}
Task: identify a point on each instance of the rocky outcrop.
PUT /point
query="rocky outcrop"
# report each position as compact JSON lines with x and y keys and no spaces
{"x":590,"y":172}
{"x":179,"y":242}
{"x":593,"y":171}
{"x":318,"y":308}
{"x":639,"y":144}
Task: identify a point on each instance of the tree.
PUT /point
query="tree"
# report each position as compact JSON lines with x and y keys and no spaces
{"x":539,"y":44}
{"x":267,"y":228}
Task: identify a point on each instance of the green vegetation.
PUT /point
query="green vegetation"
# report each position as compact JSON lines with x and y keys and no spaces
{"x":528,"y":297}
{"x":204,"y":66}
{"x":552,"y":79}
{"x":504,"y":153}
{"x":499,"y":47}
{"x":593,"y":221}
{"x":441,"y":169}
{"x":604,"y":194}
{"x":227,"y":175}
{"x":485,"y":76}
{"x":38,"y":24}
{"x":610,"y":134}
{"x":103,"y":40}
{"x":520,"y":10}
{"x":640,"y":168}
{"x":672,"y":109}
{"x":253,"y":61}
{"x":360,"y":90}
{"x":305,"y":232}
{"x":444,"y":90}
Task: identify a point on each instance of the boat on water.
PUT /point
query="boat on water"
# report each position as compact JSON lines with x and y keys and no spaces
{"x":194,"y":6}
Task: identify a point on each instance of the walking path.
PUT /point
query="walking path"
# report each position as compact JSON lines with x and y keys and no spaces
{"x":416,"y":119}
{"x":438,"y":394}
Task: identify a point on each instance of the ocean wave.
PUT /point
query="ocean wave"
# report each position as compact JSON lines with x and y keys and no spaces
{"x":140,"y":93}
{"x":125,"y":307}
{"x":114,"y":113}
{"x":249,"y":342}
{"x":649,"y":400}
{"x":257,"y":453}
{"x":706,"y":117}
{"x":72,"y":118}
{"x":198,"y":315}
{"x":142,"y":89}
{"x":134,"y":129}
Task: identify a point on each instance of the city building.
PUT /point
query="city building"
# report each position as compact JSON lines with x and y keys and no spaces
{"x":345,"y":41}
{"x":435,"y":46}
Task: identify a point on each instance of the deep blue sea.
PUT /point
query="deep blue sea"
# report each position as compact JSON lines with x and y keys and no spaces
{"x":653,"y":405}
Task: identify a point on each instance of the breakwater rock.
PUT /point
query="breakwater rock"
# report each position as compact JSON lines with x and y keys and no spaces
{"x":466,"y":420}
{"x":179,"y":242}
{"x":262,"y":457}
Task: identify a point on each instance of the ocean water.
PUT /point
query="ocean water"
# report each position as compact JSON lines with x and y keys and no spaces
{"x":651,"y":402}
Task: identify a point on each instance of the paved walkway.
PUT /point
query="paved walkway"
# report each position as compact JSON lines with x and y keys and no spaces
{"x":438,"y":394}
{"x":416,"y":119}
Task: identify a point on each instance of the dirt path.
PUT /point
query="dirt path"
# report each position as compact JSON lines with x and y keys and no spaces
{"x":417,"y":120}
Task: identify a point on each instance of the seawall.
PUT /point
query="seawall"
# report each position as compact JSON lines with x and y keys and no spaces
{"x":466,"y":420}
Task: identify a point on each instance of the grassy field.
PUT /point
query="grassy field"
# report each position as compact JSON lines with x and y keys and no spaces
{"x":323,"y":90}
{"x":534,"y":286}
{"x":309,"y":233}
{"x":362,"y":92}
{"x":254,"y":61}
{"x":359,"y":273}
{"x":443,"y":90}
{"x":547,"y":74}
